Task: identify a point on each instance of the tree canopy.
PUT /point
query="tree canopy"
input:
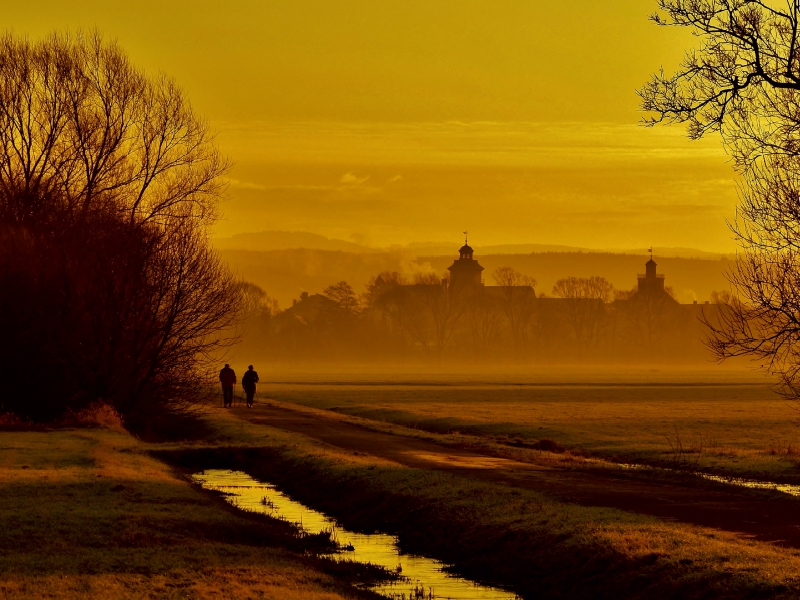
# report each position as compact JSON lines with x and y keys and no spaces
{"x":109,"y":289}
{"x":744,"y":82}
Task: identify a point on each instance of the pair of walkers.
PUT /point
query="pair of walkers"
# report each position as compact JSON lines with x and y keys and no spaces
{"x":227,"y":377}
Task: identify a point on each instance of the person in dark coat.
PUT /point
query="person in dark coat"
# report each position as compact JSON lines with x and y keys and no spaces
{"x":227,"y":377}
{"x":249,"y":381}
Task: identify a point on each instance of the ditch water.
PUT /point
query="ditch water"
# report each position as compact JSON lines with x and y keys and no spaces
{"x":421,"y":577}
{"x":785,"y":488}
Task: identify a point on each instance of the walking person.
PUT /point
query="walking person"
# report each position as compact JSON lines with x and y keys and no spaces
{"x":227,"y":377}
{"x":249,"y":381}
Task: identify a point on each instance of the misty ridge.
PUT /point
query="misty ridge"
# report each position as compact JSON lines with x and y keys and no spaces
{"x":309,"y":305}
{"x":286,"y":240}
{"x":286,"y":263}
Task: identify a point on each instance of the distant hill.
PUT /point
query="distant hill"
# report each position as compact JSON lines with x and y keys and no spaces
{"x":284,"y":240}
{"x":444,"y":249}
{"x":287,"y":240}
{"x":284,"y":274}
{"x":441,"y":248}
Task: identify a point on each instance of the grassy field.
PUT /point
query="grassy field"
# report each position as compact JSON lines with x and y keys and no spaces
{"x":88,"y":513}
{"x":724,"y":421}
{"x":519,"y":538}
{"x":95,"y":512}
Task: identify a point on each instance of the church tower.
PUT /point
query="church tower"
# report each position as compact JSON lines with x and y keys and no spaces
{"x":465,"y":271}
{"x":650,"y":282}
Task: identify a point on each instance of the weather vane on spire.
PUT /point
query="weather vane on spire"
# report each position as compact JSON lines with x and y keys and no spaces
{"x":466,"y":238}
{"x":650,"y":250}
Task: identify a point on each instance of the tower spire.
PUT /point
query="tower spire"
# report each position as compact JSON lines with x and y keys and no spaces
{"x":466,"y":238}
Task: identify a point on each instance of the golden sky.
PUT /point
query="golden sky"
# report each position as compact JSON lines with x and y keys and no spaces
{"x":393,"y":121}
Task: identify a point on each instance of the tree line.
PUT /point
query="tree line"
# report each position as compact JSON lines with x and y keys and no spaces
{"x":423,"y":318}
{"x":109,"y":289}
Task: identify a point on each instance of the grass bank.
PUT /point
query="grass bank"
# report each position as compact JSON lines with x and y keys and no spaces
{"x":738,"y":429}
{"x":88,"y":513}
{"x":501,"y":535}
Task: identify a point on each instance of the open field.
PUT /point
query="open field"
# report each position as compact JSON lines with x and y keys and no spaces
{"x":87,"y":513}
{"x":448,"y":463}
{"x":490,"y":517}
{"x":725,"y":421}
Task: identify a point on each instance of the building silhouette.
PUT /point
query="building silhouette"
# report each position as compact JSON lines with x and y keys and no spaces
{"x":510,"y":320}
{"x":650,"y":285}
{"x":465,"y":271}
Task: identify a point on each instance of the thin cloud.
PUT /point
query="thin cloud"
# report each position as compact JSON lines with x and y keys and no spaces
{"x":349,"y":183}
{"x":353,"y":179}
{"x":246,"y":185}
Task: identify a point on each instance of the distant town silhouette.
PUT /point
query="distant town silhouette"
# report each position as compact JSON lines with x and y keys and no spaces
{"x":502,"y":317}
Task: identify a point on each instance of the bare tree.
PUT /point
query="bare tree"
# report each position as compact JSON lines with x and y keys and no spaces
{"x":485,"y":316}
{"x":518,"y":298}
{"x":424,"y":310}
{"x":443,"y":306}
{"x":584,"y":306}
{"x":761,"y":318}
{"x":385,"y":295}
{"x":744,"y":81}
{"x":108,"y":182}
{"x":83,"y":130}
{"x":650,"y":316}
{"x":256,"y":319}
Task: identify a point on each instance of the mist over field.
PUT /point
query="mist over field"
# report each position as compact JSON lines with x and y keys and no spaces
{"x":284,"y":265}
{"x":339,"y":302}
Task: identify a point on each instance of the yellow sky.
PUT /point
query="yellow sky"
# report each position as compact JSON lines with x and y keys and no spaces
{"x":392,"y":121}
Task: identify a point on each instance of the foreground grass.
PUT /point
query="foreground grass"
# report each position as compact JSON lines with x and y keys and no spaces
{"x":92,"y":513}
{"x":87,"y":513}
{"x":737,"y":428}
{"x":517,"y":538}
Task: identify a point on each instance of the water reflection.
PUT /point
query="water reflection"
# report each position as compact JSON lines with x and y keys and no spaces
{"x":786,"y":488}
{"x":422,"y":577}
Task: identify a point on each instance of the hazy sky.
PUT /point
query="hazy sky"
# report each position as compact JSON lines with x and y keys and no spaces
{"x":392,"y":121}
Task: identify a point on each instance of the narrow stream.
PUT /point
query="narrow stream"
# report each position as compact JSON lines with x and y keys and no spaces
{"x":422,"y":577}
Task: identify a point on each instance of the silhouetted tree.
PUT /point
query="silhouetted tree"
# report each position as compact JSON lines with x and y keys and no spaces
{"x":485,"y":316}
{"x":375,"y":294}
{"x":517,"y":302}
{"x":442,"y":308}
{"x":584,"y":307}
{"x":744,"y":82}
{"x":256,"y":322}
{"x":108,"y":286}
{"x":652,"y":316}
{"x":384,"y":300}
{"x":343,"y":296}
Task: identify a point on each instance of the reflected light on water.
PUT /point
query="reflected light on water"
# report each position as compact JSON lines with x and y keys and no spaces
{"x":422,"y":577}
{"x":785,"y":488}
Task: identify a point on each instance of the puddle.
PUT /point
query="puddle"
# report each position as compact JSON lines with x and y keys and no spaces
{"x":785,"y":488}
{"x":422,"y":577}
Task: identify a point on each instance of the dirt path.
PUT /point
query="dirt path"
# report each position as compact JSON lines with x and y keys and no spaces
{"x":773,"y":519}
